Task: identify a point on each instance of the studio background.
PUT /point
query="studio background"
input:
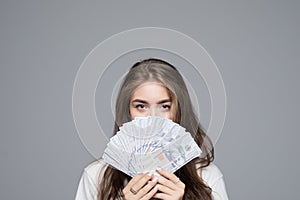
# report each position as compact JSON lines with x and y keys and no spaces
{"x":255,"y":45}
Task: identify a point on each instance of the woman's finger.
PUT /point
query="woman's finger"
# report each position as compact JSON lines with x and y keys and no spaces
{"x":165,"y":189}
{"x":166,"y":182}
{"x":135,"y":179}
{"x":172,"y":177}
{"x":137,"y":185}
{"x":149,"y":190}
{"x":135,"y":188}
{"x":167,"y":193}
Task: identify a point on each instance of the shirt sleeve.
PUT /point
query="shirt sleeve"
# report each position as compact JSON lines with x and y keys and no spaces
{"x":213,"y":177}
{"x":87,"y":189}
{"x":219,"y":190}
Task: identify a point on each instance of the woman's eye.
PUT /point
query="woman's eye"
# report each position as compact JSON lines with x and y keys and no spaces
{"x":166,"y":107}
{"x":140,"y":106}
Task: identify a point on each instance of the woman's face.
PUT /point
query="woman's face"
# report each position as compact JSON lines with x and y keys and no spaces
{"x":150,"y":99}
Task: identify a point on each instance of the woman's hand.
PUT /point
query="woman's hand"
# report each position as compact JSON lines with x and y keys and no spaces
{"x":142,"y":186}
{"x":169,"y":185}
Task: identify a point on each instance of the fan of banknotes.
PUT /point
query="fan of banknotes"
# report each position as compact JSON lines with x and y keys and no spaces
{"x":148,"y":143}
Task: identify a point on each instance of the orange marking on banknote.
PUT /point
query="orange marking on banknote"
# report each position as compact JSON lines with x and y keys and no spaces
{"x":161,"y":157}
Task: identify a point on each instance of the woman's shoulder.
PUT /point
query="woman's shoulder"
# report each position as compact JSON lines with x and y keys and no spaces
{"x":87,"y":188}
{"x":95,"y":165}
{"x":211,"y":174}
{"x":213,"y":177}
{"x":94,"y":169}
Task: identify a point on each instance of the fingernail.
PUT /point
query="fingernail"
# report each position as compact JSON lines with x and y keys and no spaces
{"x":155,"y":179}
{"x":156,"y":173}
{"x":157,"y":169}
{"x":149,"y":174}
{"x":146,"y":172}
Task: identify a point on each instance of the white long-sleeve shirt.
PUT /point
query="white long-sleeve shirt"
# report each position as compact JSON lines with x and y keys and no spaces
{"x":87,"y":189}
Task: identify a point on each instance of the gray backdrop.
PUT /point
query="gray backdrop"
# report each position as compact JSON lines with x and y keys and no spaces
{"x":255,"y":44}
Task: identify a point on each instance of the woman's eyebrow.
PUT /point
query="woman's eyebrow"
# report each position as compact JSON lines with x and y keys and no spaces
{"x":164,"y":101}
{"x":139,"y":101}
{"x":145,"y":102}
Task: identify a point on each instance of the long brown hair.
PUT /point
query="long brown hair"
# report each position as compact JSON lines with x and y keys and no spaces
{"x":112,"y":180}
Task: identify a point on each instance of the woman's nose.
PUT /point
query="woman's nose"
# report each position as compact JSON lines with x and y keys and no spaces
{"x":152,"y":112}
{"x":155,"y":111}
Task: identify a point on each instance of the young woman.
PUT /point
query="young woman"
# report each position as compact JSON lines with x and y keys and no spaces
{"x":155,"y":87}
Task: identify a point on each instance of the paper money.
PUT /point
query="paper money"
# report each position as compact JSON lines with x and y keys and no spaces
{"x":147,"y":143}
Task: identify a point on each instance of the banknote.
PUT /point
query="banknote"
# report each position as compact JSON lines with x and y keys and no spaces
{"x":171,"y":157}
{"x":148,"y":143}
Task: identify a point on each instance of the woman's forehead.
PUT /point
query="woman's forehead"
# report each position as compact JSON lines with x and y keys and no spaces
{"x":150,"y":91}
